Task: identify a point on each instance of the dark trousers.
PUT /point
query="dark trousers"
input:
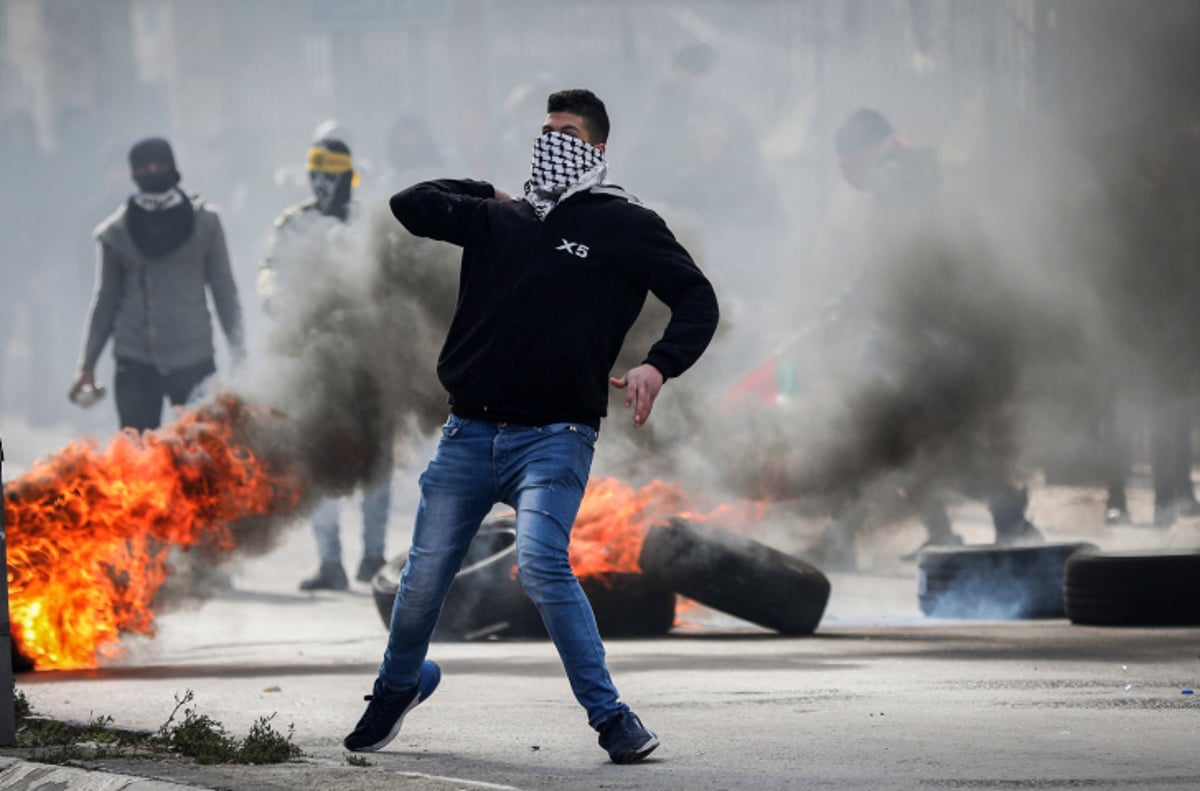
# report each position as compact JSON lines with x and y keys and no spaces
{"x":1005,"y":501}
{"x":1171,"y":452}
{"x":140,"y":390}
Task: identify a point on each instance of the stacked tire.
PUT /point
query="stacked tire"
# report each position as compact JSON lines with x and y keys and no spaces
{"x":1133,"y":588}
{"x":994,"y":583}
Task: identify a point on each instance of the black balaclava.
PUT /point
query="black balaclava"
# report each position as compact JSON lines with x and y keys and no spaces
{"x":331,"y":175}
{"x":159,"y":217}
{"x":144,"y":152}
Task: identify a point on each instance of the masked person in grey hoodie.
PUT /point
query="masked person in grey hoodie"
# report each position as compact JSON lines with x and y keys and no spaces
{"x":157,"y":256}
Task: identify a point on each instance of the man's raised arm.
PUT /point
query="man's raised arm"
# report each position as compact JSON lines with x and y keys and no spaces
{"x":441,"y":209}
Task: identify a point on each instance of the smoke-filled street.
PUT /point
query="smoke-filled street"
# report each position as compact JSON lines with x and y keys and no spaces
{"x":881,"y":697}
{"x":774,"y":394}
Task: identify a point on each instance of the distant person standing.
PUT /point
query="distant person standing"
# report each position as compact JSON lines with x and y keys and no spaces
{"x":675,"y":142}
{"x":903,"y":183}
{"x":158,"y":256}
{"x":318,"y":227}
{"x":1155,"y":293}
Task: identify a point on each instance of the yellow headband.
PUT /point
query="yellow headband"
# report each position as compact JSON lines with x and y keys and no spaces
{"x":322,"y":160}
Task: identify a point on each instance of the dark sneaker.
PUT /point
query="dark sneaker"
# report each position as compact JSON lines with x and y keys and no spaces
{"x":330,"y":577}
{"x":626,"y":739}
{"x":1020,"y":534}
{"x":386,"y":711}
{"x":369,"y":567}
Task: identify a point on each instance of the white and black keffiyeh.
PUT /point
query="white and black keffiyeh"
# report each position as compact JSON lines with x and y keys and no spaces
{"x":562,"y":166}
{"x":158,"y":201}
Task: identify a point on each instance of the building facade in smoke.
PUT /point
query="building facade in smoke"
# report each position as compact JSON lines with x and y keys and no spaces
{"x":238,"y":84}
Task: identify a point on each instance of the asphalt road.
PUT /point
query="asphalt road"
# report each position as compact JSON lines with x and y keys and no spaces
{"x":895,"y":701}
{"x":881,"y":697}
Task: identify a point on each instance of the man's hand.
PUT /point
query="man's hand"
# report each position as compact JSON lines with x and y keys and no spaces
{"x":85,"y":378}
{"x":641,"y":385}
{"x":501,"y":194}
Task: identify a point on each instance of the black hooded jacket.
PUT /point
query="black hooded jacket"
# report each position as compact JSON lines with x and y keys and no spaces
{"x":543,"y":307}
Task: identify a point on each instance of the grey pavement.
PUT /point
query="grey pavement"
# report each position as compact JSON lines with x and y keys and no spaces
{"x":897,"y":702}
{"x":880,"y":698}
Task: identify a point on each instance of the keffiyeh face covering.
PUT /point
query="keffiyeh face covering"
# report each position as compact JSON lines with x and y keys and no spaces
{"x":562,"y":166}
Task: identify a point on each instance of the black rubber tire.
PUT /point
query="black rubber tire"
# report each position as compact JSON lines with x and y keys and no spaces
{"x":487,"y":598}
{"x":994,"y":583}
{"x":737,"y":575}
{"x":20,"y":662}
{"x":1134,"y":588}
{"x":630,"y":605}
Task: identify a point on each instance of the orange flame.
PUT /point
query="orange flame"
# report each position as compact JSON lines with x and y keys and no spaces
{"x":613,"y":520}
{"x":89,"y":529}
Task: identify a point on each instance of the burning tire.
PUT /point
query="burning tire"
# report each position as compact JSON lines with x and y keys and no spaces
{"x":1134,"y":589}
{"x":737,"y":575}
{"x":994,"y":583}
{"x":487,"y":597}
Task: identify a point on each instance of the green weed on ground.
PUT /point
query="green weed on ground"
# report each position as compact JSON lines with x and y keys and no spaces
{"x":195,"y":735}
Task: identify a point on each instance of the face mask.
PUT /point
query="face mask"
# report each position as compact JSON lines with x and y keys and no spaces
{"x":156,"y":183}
{"x":332,"y":190}
{"x":562,"y":165}
{"x":560,"y":160}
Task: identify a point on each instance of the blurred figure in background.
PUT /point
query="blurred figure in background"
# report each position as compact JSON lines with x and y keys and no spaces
{"x":726,"y":183}
{"x":667,"y":149}
{"x":158,"y":254}
{"x":27,"y":315}
{"x":318,"y":227}
{"x":413,"y":154}
{"x":1156,"y":297}
{"x":903,"y":183}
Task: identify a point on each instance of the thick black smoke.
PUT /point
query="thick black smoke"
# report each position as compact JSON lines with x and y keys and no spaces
{"x":1060,"y":277}
{"x":1061,"y":269}
{"x":347,"y":368}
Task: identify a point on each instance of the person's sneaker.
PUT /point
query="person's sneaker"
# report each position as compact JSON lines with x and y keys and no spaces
{"x":1020,"y":534}
{"x":369,"y":567}
{"x":626,"y":739}
{"x":330,"y":577}
{"x":386,"y":710}
{"x":1117,"y":516}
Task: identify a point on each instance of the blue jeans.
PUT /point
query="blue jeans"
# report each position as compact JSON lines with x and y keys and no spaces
{"x":540,"y":471}
{"x":375,"y":504}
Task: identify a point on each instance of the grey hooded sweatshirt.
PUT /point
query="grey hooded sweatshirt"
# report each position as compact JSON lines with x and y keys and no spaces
{"x":156,"y":309}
